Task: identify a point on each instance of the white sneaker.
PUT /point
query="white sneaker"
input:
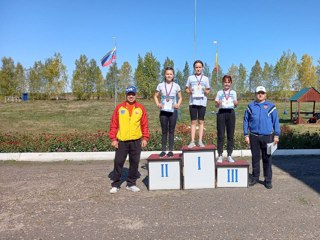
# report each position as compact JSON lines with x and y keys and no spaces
{"x":114,"y":190}
{"x":230,"y":159}
{"x":201,"y":144}
{"x":219,"y":159}
{"x":191,"y":145}
{"x":133,"y":188}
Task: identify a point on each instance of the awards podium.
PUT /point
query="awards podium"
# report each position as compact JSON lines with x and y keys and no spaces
{"x":198,"y":167}
{"x":164,"y":173}
{"x":232,"y":174}
{"x":195,"y":168}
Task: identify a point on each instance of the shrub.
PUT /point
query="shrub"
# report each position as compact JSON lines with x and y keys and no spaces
{"x":92,"y":142}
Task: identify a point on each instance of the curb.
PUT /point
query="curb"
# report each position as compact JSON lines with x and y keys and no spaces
{"x":109,"y":156}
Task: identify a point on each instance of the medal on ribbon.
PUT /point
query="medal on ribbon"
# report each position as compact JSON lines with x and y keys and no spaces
{"x":168,"y":93}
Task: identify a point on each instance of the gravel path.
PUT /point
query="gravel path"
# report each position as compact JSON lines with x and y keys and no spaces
{"x":71,"y":200}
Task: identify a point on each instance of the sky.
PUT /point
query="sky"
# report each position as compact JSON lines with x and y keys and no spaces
{"x":246,"y":30}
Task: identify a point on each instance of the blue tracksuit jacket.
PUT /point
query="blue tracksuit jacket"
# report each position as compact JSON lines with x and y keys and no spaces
{"x":261,"y":118}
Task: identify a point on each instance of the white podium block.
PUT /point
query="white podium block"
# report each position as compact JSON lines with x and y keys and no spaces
{"x":198,"y":167}
{"x":232,"y":174}
{"x":164,"y":173}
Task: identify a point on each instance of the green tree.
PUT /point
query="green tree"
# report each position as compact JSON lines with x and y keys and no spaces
{"x":206,"y":70}
{"x":36,"y":81}
{"x":100,"y":84}
{"x":241,"y":86}
{"x":152,"y":74}
{"x":186,"y":74}
{"x":147,"y":75}
{"x":125,"y":76}
{"x":307,"y":72}
{"x":167,"y":63}
{"x":112,"y":80}
{"x":139,"y":74}
{"x":255,"y":78}
{"x":267,"y":77}
{"x":179,"y":79}
{"x":8,"y":86}
{"x":216,"y":77}
{"x":55,"y":74}
{"x":95,"y":81}
{"x":286,"y":72}
{"x":20,"y":79}
{"x":233,"y":71}
{"x":79,"y":77}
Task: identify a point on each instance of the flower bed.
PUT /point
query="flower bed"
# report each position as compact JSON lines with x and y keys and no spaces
{"x":92,"y":142}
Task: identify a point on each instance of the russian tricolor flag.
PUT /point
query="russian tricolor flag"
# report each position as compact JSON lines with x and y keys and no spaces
{"x":108,"y":58}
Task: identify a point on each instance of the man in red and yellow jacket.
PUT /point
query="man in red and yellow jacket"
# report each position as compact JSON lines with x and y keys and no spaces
{"x":129,"y":132}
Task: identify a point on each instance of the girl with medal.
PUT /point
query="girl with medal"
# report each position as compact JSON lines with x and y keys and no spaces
{"x":226,"y":101}
{"x":198,"y":88}
{"x":169,"y":104}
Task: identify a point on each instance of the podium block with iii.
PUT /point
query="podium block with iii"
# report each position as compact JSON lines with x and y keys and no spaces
{"x":164,"y":173}
{"x":232,"y":174}
{"x":198,"y":167}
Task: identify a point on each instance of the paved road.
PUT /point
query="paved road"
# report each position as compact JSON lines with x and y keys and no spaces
{"x":71,"y":200}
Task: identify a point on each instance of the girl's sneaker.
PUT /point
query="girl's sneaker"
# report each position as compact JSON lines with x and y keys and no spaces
{"x":170,"y":154}
{"x":230,"y":159}
{"x":162,"y":154}
{"x":201,"y":144}
{"x":191,"y":145}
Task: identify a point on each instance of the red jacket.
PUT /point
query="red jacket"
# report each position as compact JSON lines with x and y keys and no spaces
{"x":125,"y":127}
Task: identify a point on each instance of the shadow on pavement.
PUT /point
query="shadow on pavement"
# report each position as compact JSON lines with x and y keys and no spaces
{"x":124,"y":175}
{"x":304,"y":168}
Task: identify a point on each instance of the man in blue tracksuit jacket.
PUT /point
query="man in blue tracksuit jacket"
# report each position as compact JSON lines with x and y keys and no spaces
{"x":261,"y":126}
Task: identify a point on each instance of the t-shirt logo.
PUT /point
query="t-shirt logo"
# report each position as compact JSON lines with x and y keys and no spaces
{"x":265,"y":106}
{"x":123,"y":112}
{"x":137,"y":112}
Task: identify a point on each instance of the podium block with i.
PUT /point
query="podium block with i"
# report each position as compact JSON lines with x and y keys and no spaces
{"x":198,"y":167}
{"x":232,"y":174}
{"x":164,"y":173}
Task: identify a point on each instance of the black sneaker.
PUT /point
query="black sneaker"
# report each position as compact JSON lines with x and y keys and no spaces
{"x":252,"y":181}
{"x":162,"y":154}
{"x":268,"y":185}
{"x":170,"y":154}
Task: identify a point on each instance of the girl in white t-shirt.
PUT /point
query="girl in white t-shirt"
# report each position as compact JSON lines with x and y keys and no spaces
{"x":198,"y":88}
{"x":226,"y":101}
{"x":168,"y":91}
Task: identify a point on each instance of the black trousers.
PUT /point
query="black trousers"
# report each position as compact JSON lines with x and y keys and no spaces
{"x":168,"y":122}
{"x":226,"y":120}
{"x":133,"y":148}
{"x":258,"y":143}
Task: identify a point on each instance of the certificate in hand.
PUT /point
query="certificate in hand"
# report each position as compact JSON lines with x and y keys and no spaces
{"x":197,"y":90}
{"x":271,"y":147}
{"x":227,"y":103}
{"x":167,"y":103}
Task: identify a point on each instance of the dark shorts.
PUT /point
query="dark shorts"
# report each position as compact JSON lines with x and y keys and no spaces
{"x":197,"y":112}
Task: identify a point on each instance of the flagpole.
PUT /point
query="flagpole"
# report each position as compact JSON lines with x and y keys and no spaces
{"x":216,"y":60}
{"x":115,"y":76}
{"x":195,"y":29}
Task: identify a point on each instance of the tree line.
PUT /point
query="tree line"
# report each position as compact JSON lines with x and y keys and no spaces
{"x":49,"y":79}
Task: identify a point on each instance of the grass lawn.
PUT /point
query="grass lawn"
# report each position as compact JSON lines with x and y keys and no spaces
{"x":90,"y":116}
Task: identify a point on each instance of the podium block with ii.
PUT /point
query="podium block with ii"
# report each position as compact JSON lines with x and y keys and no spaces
{"x":164,"y":173}
{"x":198,"y":167}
